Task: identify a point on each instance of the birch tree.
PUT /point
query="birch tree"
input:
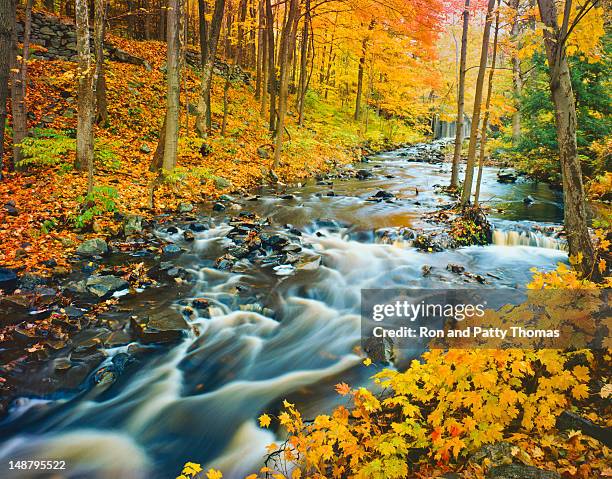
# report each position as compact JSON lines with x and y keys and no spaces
{"x":460,"y":97}
{"x":575,"y":213}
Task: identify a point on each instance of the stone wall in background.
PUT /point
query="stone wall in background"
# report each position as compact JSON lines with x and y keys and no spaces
{"x":59,"y":39}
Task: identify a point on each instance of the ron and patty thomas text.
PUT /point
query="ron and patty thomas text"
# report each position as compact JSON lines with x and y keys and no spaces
{"x":411,"y":311}
{"x":467,"y":332}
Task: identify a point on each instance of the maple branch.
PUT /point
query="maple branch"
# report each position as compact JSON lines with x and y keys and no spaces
{"x":584,"y":11}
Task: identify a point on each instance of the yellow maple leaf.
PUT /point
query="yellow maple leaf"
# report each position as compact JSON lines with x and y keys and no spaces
{"x":214,"y":474}
{"x":580,"y":391}
{"x":264,"y":420}
{"x":581,"y":373}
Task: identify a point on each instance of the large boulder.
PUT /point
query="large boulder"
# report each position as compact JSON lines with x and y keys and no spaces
{"x":105,"y":286}
{"x":93,"y":247}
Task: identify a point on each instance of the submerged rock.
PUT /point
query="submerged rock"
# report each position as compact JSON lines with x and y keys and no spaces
{"x":105,"y":286}
{"x":93,"y":247}
{"x":160,"y":327}
{"x":198,"y":227}
{"x":506,"y":177}
{"x":363,"y":174}
{"x":171,"y":250}
{"x":455,"y":268}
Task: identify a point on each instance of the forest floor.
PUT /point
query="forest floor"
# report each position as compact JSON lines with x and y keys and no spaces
{"x":44,"y":206}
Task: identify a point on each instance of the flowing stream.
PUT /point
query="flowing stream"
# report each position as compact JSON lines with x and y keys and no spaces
{"x":199,"y":399}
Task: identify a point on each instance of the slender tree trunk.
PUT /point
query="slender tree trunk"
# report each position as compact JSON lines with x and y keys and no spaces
{"x":19,"y":87}
{"x":369,"y":96}
{"x":469,"y":171}
{"x":252,"y":39}
{"x":203,"y":31}
{"x":271,"y":63}
{"x":304,"y":64}
{"x":242,"y":12}
{"x":362,"y":59}
{"x":265,"y":82}
{"x":85,"y":95}
{"x":173,"y":92}
{"x":99,"y":31}
{"x":286,"y":47}
{"x":259,"y":54}
{"x":50,"y":5}
{"x":575,"y":214}
{"x":517,"y":81}
{"x":332,"y":57}
{"x":226,"y":89}
{"x":460,"y":97}
{"x":485,"y":121}
{"x":7,"y":24}
{"x":204,"y":119}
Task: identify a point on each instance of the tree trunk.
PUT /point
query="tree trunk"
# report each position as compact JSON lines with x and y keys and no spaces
{"x":173,"y":91}
{"x":362,"y":59}
{"x":226,"y":88}
{"x":469,"y":171}
{"x":19,"y":87}
{"x":575,"y":215}
{"x":304,"y":65}
{"x":7,"y":24}
{"x":204,"y":118}
{"x":99,"y":30}
{"x":259,"y":57}
{"x":242,"y":11}
{"x":517,"y":82}
{"x":271,"y":64}
{"x":50,"y":5}
{"x":332,"y":56}
{"x":203,"y":31}
{"x":85,"y":95}
{"x":286,"y":47}
{"x":264,"y":65}
{"x":158,"y":156}
{"x":460,"y":97}
{"x":485,"y":121}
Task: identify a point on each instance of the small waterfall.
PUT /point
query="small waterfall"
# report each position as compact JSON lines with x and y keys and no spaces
{"x":527,"y":238}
